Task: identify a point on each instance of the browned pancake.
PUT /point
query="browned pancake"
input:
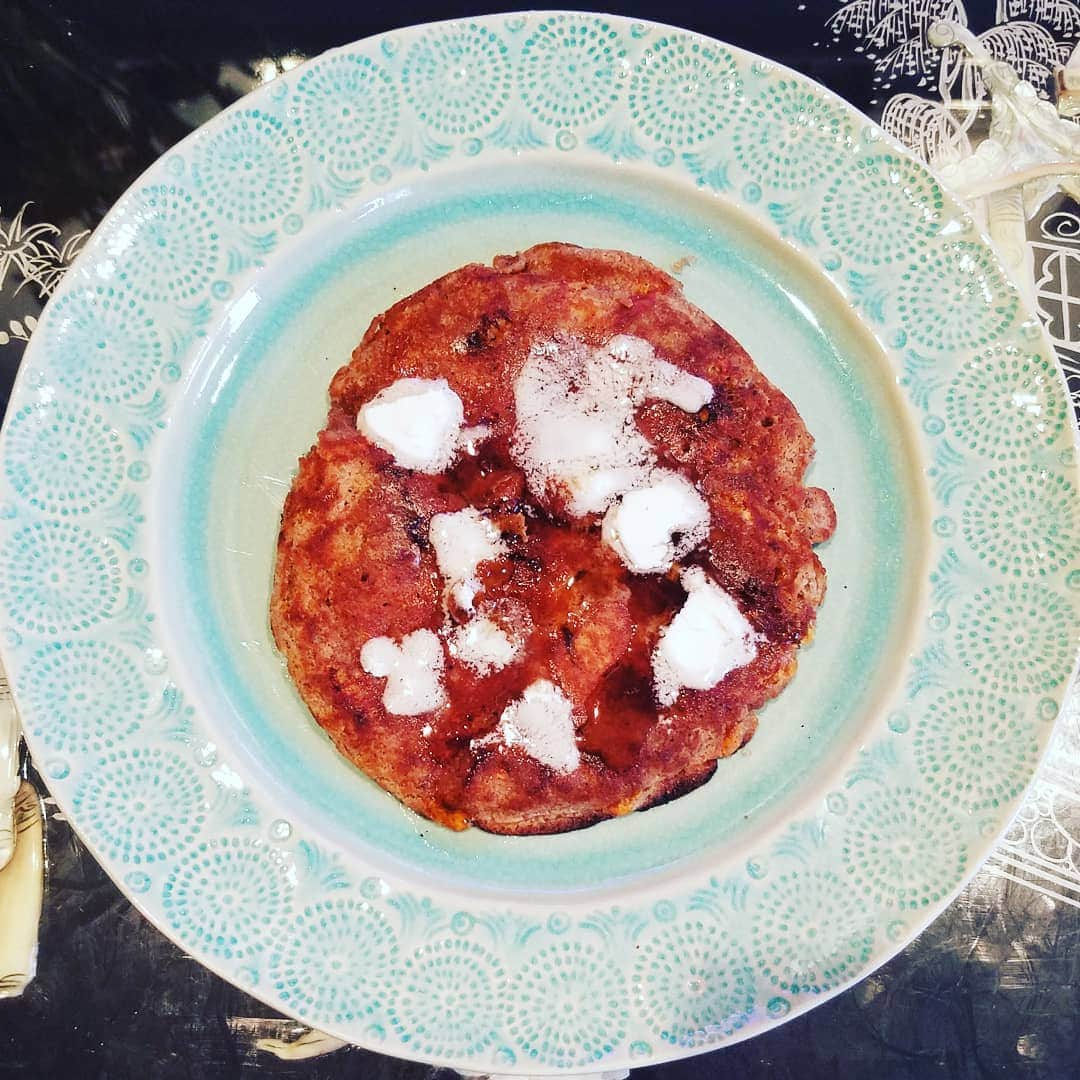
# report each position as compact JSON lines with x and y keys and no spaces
{"x":354,"y":560}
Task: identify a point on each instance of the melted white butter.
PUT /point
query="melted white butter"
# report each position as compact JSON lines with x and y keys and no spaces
{"x":462,"y":541}
{"x":575,"y":408}
{"x":541,"y":723}
{"x":642,"y":525}
{"x":418,"y":421}
{"x":483,"y":645}
{"x":665,"y":381}
{"x":413,"y":671}
{"x":708,"y":638}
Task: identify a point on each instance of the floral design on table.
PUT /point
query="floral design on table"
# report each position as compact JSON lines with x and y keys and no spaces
{"x":1055,"y":248}
{"x":1033,"y":36}
{"x":33,"y":257}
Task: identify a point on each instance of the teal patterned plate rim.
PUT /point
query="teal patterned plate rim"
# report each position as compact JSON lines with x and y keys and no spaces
{"x":579,"y":981}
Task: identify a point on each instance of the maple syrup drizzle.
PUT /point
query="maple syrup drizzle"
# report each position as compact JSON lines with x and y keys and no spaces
{"x":621,"y":709}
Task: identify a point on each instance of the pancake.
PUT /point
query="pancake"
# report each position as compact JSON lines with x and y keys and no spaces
{"x":552,"y":689}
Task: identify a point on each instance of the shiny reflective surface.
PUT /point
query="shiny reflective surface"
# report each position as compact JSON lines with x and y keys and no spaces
{"x":987,"y":990}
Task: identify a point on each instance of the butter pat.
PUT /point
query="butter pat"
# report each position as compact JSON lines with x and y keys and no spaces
{"x":641,"y":527}
{"x":576,"y":406}
{"x":541,"y":723}
{"x":462,"y":540}
{"x":707,"y":639}
{"x":418,"y":421}
{"x":665,"y":381}
{"x":413,"y":671}
{"x":483,"y":645}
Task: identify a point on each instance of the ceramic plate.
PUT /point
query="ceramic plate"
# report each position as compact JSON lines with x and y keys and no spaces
{"x":181,"y":370}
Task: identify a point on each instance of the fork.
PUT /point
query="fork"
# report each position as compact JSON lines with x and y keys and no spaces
{"x":22,"y":885}
{"x":22,"y":858}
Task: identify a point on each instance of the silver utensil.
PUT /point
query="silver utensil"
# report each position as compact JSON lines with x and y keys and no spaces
{"x":22,"y":858}
{"x":22,"y":883}
{"x":9,"y":769}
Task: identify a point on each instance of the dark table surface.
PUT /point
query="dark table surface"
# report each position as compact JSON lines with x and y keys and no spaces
{"x":90,"y":94}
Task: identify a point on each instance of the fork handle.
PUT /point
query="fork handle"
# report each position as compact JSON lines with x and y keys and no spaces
{"x":22,"y":885}
{"x":9,"y":770}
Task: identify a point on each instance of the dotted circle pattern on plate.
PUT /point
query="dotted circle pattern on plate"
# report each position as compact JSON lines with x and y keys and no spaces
{"x":168,"y":247}
{"x":1017,"y":636}
{"x":812,"y":930}
{"x":570,"y":70}
{"x":249,"y":171}
{"x":692,"y":984}
{"x":525,"y":985}
{"x":80,"y":697}
{"x":976,"y":749}
{"x":101,"y":343}
{"x":458,"y":79}
{"x":567,"y":1006}
{"x":1004,"y":403}
{"x":683,"y":90}
{"x":346,"y":109}
{"x":224,"y":893}
{"x":790,"y":136}
{"x":883,"y":857}
{"x":66,"y":458}
{"x":858,"y":217}
{"x":954,"y":297}
{"x":447,"y":996}
{"x":142,"y":806}
{"x":1017,"y":520}
{"x":56,"y":578}
{"x":338,"y":961}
